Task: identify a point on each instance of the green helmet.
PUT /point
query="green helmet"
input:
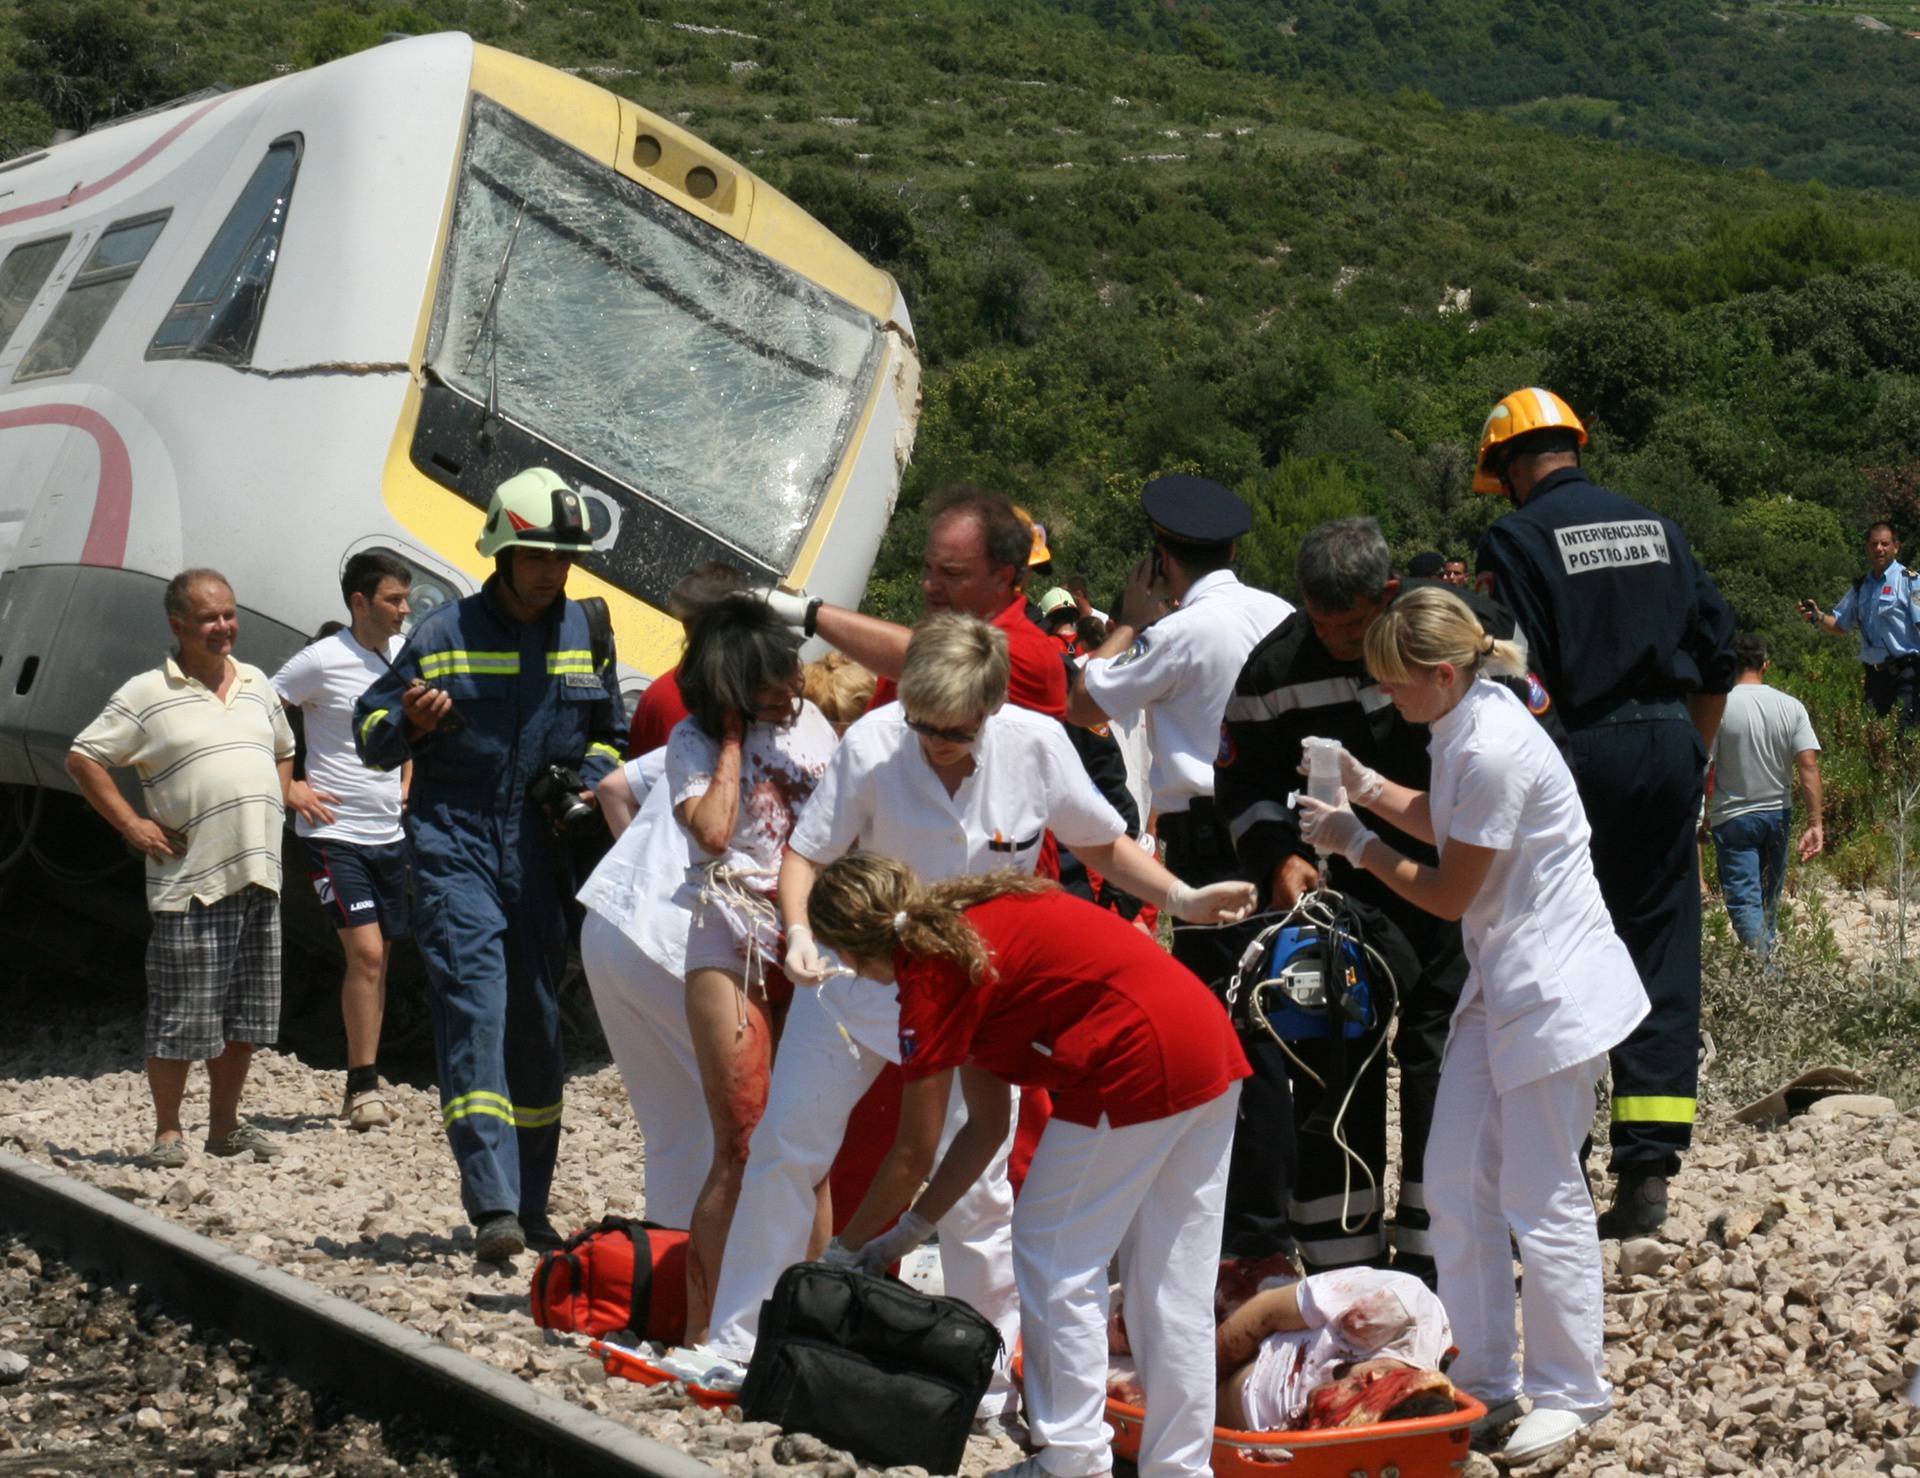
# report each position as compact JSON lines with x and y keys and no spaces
{"x":534,"y":509}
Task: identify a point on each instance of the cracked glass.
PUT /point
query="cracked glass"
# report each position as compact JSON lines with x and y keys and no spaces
{"x":690,"y":369}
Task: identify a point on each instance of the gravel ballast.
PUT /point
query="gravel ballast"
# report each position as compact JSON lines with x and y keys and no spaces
{"x":1772,"y":1328}
{"x":99,"y":1380}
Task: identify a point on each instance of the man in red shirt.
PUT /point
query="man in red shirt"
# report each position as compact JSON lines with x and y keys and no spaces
{"x":975,"y":562}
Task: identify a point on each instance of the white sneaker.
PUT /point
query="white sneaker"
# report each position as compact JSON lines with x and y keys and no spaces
{"x":1545,"y":1428}
{"x":1032,"y":1468}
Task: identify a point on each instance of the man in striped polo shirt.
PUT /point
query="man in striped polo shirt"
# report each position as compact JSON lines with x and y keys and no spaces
{"x":214,"y":753}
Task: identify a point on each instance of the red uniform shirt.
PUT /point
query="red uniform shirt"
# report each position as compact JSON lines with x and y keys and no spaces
{"x":1078,"y":1002}
{"x":654,"y":716}
{"x":1036,"y":679}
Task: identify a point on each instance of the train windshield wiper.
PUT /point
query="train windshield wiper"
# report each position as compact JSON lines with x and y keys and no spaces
{"x":490,"y":331}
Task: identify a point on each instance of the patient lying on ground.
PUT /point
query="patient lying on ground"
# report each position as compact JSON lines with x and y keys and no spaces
{"x":1341,"y":1349}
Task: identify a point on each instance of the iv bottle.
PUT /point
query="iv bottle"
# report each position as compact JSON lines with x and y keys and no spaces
{"x":1323,"y":768}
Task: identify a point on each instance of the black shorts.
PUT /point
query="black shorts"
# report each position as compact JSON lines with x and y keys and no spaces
{"x":358,"y":884}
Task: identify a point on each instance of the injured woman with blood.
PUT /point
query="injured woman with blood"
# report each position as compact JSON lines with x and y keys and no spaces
{"x":1346,"y":1348}
{"x":1009,"y":981}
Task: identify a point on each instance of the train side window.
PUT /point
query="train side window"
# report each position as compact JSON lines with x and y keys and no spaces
{"x":22,"y":276}
{"x":90,"y":298}
{"x":217,"y":315}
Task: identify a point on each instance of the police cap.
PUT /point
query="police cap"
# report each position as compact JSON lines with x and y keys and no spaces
{"x":1194,"y":510}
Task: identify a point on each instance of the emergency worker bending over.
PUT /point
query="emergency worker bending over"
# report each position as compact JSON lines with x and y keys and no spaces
{"x":508,"y":706}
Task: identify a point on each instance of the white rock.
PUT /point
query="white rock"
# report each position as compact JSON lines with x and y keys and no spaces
{"x":1853,"y":1106}
{"x":1644,"y":1256}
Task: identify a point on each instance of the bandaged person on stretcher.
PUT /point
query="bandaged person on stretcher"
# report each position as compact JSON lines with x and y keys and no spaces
{"x":1340,"y":1349}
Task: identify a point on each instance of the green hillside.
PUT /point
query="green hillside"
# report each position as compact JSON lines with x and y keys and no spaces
{"x":1129,"y":249}
{"x":1803,"y":90}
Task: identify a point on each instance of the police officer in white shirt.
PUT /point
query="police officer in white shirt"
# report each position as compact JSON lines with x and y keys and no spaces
{"x":1179,"y":671}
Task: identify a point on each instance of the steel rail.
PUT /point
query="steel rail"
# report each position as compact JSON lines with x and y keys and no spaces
{"x":329,"y":1344}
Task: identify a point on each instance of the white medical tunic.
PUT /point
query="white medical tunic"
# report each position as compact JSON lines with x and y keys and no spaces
{"x":634,"y":886}
{"x":1180,"y":672}
{"x":880,"y":795}
{"x":1559,"y":986}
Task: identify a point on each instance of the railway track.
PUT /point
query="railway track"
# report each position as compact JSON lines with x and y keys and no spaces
{"x":333,"y":1348}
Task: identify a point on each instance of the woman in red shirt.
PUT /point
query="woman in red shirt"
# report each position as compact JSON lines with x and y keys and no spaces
{"x":1008,"y":980}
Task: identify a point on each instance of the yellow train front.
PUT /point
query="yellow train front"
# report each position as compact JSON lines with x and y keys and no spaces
{"x":722,"y":376}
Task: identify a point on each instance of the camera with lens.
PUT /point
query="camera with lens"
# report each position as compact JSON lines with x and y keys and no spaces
{"x":557,"y":789}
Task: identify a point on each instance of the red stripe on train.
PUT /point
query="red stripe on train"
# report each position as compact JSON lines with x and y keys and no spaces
{"x":113,"y":496}
{"x":82,"y":192}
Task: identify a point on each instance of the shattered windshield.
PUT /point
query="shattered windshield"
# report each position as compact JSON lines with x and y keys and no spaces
{"x":686,"y":366}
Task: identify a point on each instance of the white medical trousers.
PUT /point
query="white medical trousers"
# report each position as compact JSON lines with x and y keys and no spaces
{"x":1156,"y":1193}
{"x":1499,"y":1160}
{"x":643,"y":1011}
{"x":819,"y":1074}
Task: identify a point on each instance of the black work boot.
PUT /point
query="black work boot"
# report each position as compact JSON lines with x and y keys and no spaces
{"x":499,"y":1238}
{"x":1639,"y":1206}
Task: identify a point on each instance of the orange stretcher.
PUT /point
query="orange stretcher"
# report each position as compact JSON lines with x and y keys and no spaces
{"x":630,"y":1364}
{"x":1424,"y":1447}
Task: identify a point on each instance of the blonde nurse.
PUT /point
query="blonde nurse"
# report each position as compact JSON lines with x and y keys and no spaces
{"x":1550,"y":989}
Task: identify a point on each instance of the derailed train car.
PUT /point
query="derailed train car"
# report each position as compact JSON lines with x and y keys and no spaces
{"x":266,"y":329}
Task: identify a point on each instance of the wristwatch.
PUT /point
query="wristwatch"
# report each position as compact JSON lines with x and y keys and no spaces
{"x":813,"y":615}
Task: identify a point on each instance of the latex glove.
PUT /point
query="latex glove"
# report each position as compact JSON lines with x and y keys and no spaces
{"x":839,"y":1255}
{"x":789,"y":606}
{"x":805,"y":964}
{"x":1216,"y":903}
{"x":895,"y":1243}
{"x":1363,"y":785}
{"x":1334,"y":829}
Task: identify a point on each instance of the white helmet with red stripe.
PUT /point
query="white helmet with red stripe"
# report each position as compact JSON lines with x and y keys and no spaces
{"x":534,"y":509}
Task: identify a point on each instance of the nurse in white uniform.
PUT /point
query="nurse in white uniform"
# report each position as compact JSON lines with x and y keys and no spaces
{"x":951,"y":782}
{"x":1550,"y":989}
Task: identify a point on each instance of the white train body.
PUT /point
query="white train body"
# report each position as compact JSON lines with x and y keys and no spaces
{"x":727,"y":379}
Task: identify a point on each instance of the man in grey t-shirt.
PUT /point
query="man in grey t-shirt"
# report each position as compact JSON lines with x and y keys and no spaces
{"x":1765,"y":741}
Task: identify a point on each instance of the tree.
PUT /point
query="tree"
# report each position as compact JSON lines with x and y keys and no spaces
{"x":89,"y":61}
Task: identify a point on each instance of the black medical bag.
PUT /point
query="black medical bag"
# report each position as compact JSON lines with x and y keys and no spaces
{"x":867,"y":1364}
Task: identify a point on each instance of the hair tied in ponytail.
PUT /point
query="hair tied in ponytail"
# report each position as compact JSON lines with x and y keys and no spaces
{"x":900,"y":922}
{"x":1486,"y":646}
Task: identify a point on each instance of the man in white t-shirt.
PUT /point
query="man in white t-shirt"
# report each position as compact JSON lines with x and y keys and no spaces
{"x":357,"y":846}
{"x":1765,"y":741}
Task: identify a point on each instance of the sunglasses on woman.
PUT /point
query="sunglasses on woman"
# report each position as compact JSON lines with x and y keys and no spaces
{"x":950,"y":736}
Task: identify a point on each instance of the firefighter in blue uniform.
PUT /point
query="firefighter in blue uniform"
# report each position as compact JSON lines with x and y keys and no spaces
{"x":1636,"y":645}
{"x":488,"y":696}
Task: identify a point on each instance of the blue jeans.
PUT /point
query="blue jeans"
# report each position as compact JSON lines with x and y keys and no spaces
{"x":1752,"y":855}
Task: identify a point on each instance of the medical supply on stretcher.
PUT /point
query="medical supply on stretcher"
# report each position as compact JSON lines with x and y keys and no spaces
{"x":641,"y":1366}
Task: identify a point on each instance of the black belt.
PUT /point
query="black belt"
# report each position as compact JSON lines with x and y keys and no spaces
{"x":1634,"y":711}
{"x":1898,"y":664}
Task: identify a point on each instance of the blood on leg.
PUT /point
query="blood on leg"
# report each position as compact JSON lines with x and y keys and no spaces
{"x":733,"y":1043}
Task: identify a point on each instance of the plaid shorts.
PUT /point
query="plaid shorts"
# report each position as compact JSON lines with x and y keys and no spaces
{"x":213,"y":976}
